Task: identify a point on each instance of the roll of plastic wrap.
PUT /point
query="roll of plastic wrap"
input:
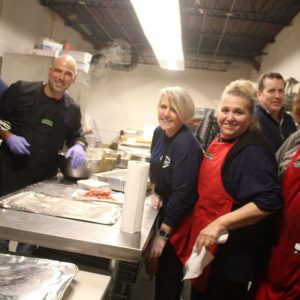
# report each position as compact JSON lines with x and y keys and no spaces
{"x":134,"y":196}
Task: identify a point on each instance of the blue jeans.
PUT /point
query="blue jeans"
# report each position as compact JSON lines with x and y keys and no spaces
{"x":22,"y":249}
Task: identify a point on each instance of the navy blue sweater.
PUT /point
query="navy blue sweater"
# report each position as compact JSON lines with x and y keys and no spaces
{"x":174,"y":169}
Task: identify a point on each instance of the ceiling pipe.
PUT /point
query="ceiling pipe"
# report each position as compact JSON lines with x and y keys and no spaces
{"x":229,"y":14}
{"x":201,"y":34}
{"x":233,"y":36}
{"x":250,"y":16}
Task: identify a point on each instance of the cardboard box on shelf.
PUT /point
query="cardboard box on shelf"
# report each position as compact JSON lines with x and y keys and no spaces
{"x":51,"y":53}
{"x":85,"y":67}
{"x":48,"y":44}
{"x":81,"y":56}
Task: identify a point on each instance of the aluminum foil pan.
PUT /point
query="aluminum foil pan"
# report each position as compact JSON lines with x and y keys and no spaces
{"x":92,"y":211}
{"x":27,"y":278}
{"x":116,"y":179}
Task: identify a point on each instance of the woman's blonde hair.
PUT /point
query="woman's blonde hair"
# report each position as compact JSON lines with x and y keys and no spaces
{"x":244,"y":89}
{"x":180,"y":101}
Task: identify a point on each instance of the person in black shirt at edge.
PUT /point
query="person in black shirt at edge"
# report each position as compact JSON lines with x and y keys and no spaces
{"x":275,"y":124}
{"x":175,"y":158}
{"x":43,"y":117}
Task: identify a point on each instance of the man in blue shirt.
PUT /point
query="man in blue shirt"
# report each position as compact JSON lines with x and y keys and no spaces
{"x":275,"y":124}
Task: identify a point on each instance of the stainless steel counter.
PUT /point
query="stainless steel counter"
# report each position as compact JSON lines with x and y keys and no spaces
{"x":75,"y":236}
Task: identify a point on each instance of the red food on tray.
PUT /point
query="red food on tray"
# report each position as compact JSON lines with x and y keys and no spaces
{"x":99,"y":193}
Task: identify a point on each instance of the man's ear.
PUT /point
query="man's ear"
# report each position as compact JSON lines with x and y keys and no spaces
{"x":258,"y":93}
{"x":49,"y":70}
{"x":74,"y":78}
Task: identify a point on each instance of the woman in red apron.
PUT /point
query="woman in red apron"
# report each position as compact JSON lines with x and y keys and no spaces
{"x":283,"y":275}
{"x":238,"y":189}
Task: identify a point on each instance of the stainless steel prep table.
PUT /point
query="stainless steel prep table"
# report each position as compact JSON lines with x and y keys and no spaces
{"x":106,"y":241}
{"x":75,"y":236}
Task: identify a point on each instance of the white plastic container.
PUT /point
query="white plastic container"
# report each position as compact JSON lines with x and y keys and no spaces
{"x":81,"y":56}
{"x":91,"y":184}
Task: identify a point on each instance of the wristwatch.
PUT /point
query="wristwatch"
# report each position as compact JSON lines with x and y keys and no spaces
{"x":164,"y":234}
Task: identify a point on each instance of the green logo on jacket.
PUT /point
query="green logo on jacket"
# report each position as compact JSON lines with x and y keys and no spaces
{"x":46,"y":121}
{"x":209,"y":155}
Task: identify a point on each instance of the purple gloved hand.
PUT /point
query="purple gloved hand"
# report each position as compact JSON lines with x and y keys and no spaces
{"x":18,"y":145}
{"x":77,"y":155}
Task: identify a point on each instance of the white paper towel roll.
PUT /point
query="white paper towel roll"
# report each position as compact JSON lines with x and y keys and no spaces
{"x":134,"y":196}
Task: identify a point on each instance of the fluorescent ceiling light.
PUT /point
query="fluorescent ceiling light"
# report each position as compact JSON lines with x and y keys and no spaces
{"x":160,"y":20}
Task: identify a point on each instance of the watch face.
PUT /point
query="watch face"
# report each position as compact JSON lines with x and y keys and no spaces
{"x":164,"y":234}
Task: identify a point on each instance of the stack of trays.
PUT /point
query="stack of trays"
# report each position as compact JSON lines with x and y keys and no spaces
{"x":116,"y":179}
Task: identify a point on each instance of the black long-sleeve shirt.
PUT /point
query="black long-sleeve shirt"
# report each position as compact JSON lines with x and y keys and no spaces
{"x":45,"y":123}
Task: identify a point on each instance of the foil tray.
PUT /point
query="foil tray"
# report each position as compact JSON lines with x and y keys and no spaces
{"x":116,"y":179}
{"x":91,"y":211}
{"x":27,"y":278}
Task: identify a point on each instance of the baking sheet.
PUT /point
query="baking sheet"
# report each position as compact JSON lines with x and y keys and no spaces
{"x":27,"y":278}
{"x":54,"y":188}
{"x":92,"y":211}
{"x":117,"y":198}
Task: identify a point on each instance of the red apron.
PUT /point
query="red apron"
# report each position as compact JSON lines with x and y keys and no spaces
{"x":213,"y":202}
{"x":283,"y":278}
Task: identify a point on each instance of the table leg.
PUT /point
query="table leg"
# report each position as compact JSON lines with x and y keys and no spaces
{"x":114,"y":267}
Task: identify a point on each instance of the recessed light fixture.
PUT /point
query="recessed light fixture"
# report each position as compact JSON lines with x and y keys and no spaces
{"x":161,"y":23}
